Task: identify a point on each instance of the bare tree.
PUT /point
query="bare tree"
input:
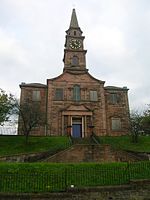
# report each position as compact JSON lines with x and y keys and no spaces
{"x":30,"y":117}
{"x":135,"y":123}
{"x":146,"y":120}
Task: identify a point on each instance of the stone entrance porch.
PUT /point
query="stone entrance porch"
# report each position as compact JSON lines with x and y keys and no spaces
{"x":77,"y":120}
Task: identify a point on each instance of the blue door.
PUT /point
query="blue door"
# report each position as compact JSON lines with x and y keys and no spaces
{"x":76,"y":130}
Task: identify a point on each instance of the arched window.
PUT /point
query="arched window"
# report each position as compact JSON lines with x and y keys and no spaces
{"x":75,"y":60}
{"x":74,"y":32}
{"x":76,"y":93}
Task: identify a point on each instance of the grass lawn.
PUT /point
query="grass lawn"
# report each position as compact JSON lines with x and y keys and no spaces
{"x":10,"y":145}
{"x":124,"y":143}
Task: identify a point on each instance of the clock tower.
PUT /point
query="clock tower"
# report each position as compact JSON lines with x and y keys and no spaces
{"x":74,"y":53}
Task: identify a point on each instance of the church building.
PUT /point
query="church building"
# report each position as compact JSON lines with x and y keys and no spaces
{"x":75,"y":103}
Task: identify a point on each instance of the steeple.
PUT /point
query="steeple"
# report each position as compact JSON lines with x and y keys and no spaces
{"x":74,"y":53}
{"x":74,"y":21}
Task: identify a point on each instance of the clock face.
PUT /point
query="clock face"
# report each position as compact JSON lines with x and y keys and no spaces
{"x":75,"y":44}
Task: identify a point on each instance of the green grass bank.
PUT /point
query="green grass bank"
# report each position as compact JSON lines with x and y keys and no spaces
{"x":124,"y":143}
{"x":10,"y":145}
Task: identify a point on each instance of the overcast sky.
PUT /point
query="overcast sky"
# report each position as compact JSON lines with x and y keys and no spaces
{"x":117,"y":37}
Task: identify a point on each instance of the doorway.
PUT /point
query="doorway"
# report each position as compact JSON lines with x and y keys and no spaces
{"x":77,"y":127}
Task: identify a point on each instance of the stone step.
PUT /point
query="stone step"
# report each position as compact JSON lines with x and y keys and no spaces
{"x":91,"y":153}
{"x":82,"y":140}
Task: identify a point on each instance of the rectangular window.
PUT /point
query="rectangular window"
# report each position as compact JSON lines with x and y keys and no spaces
{"x":114,"y":98}
{"x":116,"y":124}
{"x":36,"y":95}
{"x":76,"y":93}
{"x":93,"y":96}
{"x":59,"y":94}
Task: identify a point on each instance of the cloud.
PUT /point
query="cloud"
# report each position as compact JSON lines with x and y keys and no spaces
{"x":108,"y":41}
{"x":32,"y":37}
{"x":11,"y":52}
{"x":13,"y":60}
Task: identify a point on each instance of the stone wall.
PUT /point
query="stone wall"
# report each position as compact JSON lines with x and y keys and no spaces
{"x":120,"y":110}
{"x":31,"y":157}
{"x":137,"y":190}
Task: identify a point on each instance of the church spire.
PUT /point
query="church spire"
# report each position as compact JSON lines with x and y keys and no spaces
{"x":74,"y":53}
{"x":74,"y":21}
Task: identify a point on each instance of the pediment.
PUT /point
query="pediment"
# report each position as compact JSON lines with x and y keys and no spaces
{"x":86,"y":77}
{"x":77,"y":108}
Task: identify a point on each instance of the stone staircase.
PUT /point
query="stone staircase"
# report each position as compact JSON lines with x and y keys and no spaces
{"x":91,"y":153}
{"x":90,"y":150}
{"x":88,"y":140}
{"x":82,"y":150}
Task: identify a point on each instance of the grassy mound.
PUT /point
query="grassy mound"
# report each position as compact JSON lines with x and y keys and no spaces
{"x":10,"y":145}
{"x":124,"y":143}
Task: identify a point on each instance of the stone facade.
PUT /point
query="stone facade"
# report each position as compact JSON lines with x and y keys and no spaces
{"x":34,"y":94}
{"x":75,"y":103}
